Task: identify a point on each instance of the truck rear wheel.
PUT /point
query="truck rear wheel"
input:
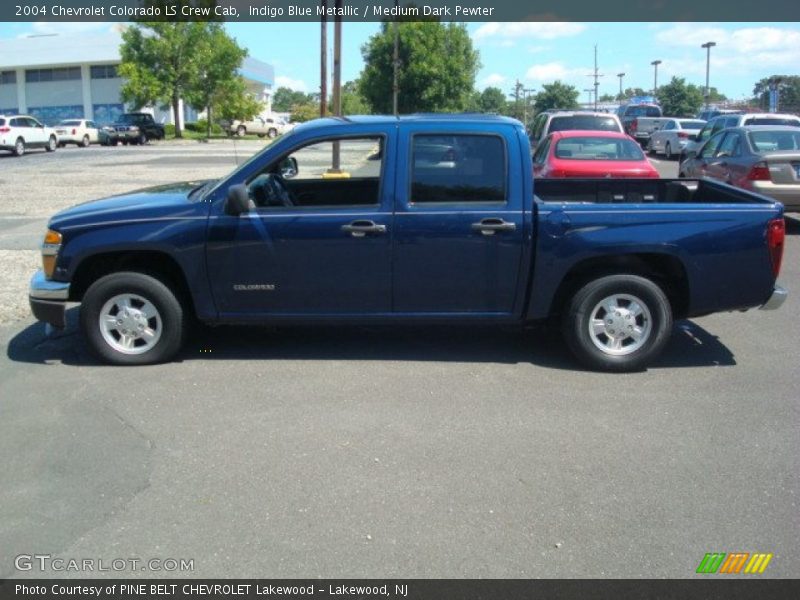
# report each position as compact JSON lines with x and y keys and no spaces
{"x":618,"y":323}
{"x":131,"y":318}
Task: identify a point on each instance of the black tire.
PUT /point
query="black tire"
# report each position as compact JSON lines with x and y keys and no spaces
{"x":114,"y":142}
{"x":142,"y":139}
{"x":124,"y":142}
{"x":668,"y":152}
{"x":272,"y":133}
{"x":169,"y":309}
{"x":52,"y":144}
{"x":19,"y":147}
{"x":578,"y":319}
{"x":241,"y":131}
{"x":85,"y":141}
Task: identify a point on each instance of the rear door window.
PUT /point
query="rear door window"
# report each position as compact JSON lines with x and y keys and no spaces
{"x":711,"y":146}
{"x":458,"y":168}
{"x":730,"y":146}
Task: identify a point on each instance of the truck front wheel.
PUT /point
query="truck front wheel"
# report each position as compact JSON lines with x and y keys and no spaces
{"x":131,"y":318}
{"x":618,"y":323}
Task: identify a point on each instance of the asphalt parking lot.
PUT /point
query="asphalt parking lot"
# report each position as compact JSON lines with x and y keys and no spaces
{"x":369,"y":452}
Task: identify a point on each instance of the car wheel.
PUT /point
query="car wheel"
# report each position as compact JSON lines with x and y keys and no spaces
{"x":132,"y":318}
{"x":19,"y":147}
{"x":272,"y":134}
{"x":52,"y":144}
{"x":114,"y":142}
{"x":142,"y":139}
{"x":618,"y":323}
{"x":85,"y":141}
{"x":124,"y":142}
{"x":649,"y":148}
{"x":241,"y":130}
{"x":668,"y":151}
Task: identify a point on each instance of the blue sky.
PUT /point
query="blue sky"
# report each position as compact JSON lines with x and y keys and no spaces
{"x":537,"y":53}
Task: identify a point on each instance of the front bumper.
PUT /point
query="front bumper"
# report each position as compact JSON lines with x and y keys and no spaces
{"x":48,"y":299}
{"x":776,"y":299}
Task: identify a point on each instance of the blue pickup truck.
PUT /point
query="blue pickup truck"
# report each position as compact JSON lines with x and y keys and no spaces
{"x":419,"y":219}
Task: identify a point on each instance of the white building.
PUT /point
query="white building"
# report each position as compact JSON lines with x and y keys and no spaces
{"x":54,"y":77}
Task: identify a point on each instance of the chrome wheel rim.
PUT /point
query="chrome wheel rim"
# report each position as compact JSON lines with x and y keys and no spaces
{"x":51,"y":144}
{"x":20,"y":147}
{"x":620,"y":324}
{"x":130,"y":324}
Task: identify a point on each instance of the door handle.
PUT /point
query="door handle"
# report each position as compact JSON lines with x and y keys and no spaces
{"x":361,"y":228}
{"x":492,"y":225}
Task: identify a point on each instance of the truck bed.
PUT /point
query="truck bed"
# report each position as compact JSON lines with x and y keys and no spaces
{"x":642,"y":191}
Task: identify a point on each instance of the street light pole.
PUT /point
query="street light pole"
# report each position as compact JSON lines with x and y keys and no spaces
{"x":708,"y":46}
{"x":323,"y":61}
{"x":620,"y":75}
{"x":395,"y":63}
{"x":655,"y":64}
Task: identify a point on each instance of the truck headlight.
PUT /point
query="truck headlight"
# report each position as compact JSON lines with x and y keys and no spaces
{"x":50,"y":248}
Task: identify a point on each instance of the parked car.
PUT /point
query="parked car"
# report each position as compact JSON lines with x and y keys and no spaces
{"x":18,"y":133}
{"x":591,"y":154}
{"x":616,"y":260}
{"x":132,"y":128}
{"x":673,"y":136}
{"x":270,"y":127}
{"x":710,"y":113}
{"x":80,"y":132}
{"x":640,"y":119}
{"x":547,"y":122}
{"x":737,"y":120}
{"x":759,"y":158}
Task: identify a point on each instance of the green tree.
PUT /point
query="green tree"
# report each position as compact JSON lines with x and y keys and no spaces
{"x":437,"y":67}
{"x":715,"y":95}
{"x":556,"y":95}
{"x":216,"y":82}
{"x":285,"y":98}
{"x":680,"y":99}
{"x":788,"y":92}
{"x":353,"y":103}
{"x":631,"y":92}
{"x":492,"y":100}
{"x":305,"y":112}
{"x":234,"y":101}
{"x":160,"y":63}
{"x":607,"y":98}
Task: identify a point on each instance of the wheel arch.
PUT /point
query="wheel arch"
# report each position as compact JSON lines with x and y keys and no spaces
{"x":666,"y":270}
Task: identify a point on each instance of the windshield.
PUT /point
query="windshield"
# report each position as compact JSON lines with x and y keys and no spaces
{"x":772,"y":121}
{"x":598,"y":148}
{"x":587,"y":122}
{"x":774,"y":141}
{"x":131,"y":119}
{"x":642,"y":111}
{"x":70,"y":122}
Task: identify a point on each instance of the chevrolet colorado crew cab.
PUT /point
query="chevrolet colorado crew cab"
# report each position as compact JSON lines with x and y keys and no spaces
{"x":419,"y":219}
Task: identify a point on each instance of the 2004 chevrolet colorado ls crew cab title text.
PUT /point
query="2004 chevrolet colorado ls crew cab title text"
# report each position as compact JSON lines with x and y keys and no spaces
{"x":419,"y":219}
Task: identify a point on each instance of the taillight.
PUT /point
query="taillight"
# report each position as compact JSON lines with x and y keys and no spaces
{"x":5,"y":129}
{"x":74,"y":131}
{"x":776,"y":234}
{"x":634,"y":124}
{"x":683,"y":135}
{"x":759,"y":172}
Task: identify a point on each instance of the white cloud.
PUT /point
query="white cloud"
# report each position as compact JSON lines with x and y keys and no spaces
{"x":493,"y":80}
{"x":549,"y":72}
{"x":538,"y":30}
{"x":295,"y":84}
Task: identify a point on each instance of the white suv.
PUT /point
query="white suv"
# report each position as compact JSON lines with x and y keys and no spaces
{"x":549,"y":121}
{"x":20,"y":132}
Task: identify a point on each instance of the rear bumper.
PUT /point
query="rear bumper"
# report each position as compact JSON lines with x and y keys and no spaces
{"x":777,"y":298}
{"x":788,"y":194}
{"x":48,"y":300}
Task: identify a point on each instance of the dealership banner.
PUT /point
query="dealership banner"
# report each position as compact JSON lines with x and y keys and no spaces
{"x":381,"y":10}
{"x":408,"y":589}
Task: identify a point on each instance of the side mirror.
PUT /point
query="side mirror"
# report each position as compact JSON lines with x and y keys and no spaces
{"x":289,"y":167}
{"x":237,"y":201}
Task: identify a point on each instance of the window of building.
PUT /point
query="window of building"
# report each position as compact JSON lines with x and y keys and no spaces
{"x":458,"y":168}
{"x":8,"y":77}
{"x":104,"y":71}
{"x":59,"y":74}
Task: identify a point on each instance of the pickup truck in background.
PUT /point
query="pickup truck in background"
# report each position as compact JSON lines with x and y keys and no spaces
{"x":419,"y":220}
{"x":640,"y":120}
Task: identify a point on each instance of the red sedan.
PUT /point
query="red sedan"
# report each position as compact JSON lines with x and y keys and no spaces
{"x":591,"y":154}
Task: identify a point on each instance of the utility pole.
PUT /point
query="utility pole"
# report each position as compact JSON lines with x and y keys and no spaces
{"x":596,"y":76}
{"x":525,"y":92}
{"x":620,"y":75}
{"x":323,"y":63}
{"x":655,"y":64}
{"x":337,"y":80}
{"x":708,"y":46}
{"x":518,"y":87}
{"x":396,"y":62}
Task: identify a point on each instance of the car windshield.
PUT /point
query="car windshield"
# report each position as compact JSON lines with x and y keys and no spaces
{"x":70,"y":122}
{"x":772,"y":121}
{"x":774,"y":141}
{"x":587,"y":122}
{"x":598,"y":148}
{"x":643,"y":111}
{"x":131,"y":119}
{"x":692,"y":124}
